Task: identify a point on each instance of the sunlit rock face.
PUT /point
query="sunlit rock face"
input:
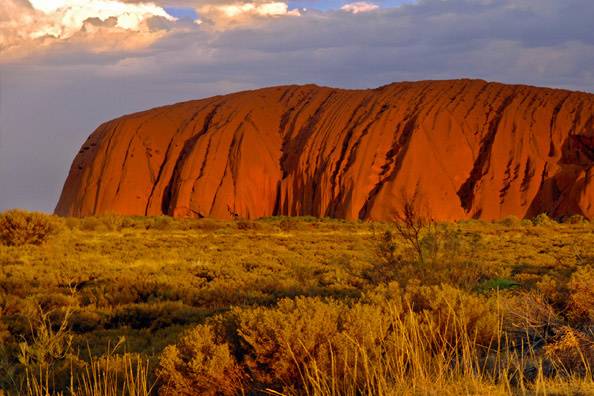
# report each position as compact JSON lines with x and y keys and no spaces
{"x":456,"y":149}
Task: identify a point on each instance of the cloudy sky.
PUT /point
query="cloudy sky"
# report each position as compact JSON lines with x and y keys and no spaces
{"x":68,"y":65}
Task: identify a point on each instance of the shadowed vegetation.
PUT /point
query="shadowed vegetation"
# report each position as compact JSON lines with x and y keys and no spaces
{"x":136,"y":306}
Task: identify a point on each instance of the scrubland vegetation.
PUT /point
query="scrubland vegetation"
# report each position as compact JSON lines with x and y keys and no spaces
{"x":291,"y":306}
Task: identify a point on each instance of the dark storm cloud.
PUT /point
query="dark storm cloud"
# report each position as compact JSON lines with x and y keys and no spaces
{"x":52,"y":101}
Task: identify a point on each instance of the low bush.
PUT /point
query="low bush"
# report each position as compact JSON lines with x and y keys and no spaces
{"x":575,"y":219}
{"x":247,"y":225}
{"x":204,"y":224}
{"x":288,"y":224}
{"x":92,"y":223}
{"x":153,"y":315}
{"x":510,"y":221}
{"x":160,"y":223}
{"x":18,"y":227}
{"x":86,"y":321}
{"x":543,"y":220}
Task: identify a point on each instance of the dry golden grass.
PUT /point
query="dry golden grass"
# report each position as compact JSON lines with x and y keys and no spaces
{"x":108,"y":375}
{"x":298,"y":306}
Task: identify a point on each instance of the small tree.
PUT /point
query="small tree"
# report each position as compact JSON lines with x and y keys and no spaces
{"x":416,"y":227}
{"x":410,"y":224}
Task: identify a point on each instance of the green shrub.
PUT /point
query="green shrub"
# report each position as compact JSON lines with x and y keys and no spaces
{"x":496,"y":284}
{"x":18,"y":227}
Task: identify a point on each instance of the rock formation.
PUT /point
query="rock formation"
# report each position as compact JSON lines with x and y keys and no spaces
{"x":455,"y":149}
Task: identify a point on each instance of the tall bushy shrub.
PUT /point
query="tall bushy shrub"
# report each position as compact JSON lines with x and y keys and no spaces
{"x":199,"y":364}
{"x":18,"y":227}
{"x":277,"y":341}
{"x":581,"y":295}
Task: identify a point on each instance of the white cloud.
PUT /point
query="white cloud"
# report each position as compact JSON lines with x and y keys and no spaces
{"x":359,"y":6}
{"x":25,"y":26}
{"x":66,"y":17}
{"x":33,"y":26}
{"x":241,"y":13}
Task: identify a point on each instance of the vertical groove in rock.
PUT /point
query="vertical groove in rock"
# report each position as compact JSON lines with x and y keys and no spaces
{"x":467,"y":190}
{"x":188,"y":146}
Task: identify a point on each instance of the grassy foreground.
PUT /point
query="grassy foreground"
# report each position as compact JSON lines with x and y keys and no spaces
{"x":138,"y":306}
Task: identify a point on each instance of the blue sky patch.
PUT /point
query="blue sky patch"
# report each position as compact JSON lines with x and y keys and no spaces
{"x":182,"y":12}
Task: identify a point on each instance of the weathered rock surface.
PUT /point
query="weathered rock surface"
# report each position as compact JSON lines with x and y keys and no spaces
{"x":458,"y":149}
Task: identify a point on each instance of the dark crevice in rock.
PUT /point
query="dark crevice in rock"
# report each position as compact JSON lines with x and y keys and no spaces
{"x":481,"y":164}
{"x":186,"y":150}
